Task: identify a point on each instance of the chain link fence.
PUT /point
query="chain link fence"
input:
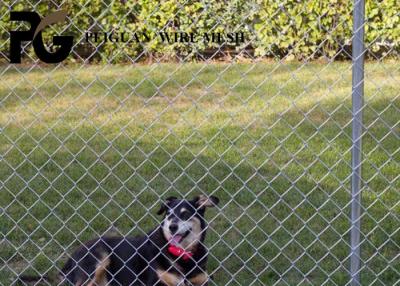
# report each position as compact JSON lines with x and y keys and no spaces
{"x":93,"y":145}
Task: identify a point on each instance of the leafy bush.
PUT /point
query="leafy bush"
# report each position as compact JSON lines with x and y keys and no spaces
{"x":285,"y":28}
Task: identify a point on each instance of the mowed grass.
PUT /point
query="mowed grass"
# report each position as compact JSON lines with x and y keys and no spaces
{"x":87,"y":148}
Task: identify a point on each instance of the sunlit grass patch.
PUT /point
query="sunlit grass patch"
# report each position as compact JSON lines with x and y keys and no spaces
{"x":87,"y":148}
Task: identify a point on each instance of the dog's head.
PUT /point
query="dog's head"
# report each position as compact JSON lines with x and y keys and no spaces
{"x":184,"y":223}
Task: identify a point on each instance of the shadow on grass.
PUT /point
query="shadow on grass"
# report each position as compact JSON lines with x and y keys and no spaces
{"x":265,"y":227}
{"x":279,"y":218}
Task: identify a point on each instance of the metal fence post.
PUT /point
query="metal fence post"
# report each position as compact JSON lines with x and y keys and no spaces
{"x":357,"y":104}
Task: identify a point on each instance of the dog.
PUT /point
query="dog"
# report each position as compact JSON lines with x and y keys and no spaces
{"x":172,"y":254}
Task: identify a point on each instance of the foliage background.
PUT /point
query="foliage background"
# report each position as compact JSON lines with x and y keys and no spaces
{"x":289,"y":28}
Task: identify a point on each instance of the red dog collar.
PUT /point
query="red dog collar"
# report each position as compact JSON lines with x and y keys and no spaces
{"x":179,"y":252}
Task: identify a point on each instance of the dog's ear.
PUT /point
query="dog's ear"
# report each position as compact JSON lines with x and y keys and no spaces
{"x":203,"y":201}
{"x":164,"y":205}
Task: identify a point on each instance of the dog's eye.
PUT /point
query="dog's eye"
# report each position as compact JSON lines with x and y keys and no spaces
{"x":185,"y":215}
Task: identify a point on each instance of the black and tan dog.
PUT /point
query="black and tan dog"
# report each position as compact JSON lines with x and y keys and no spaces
{"x":172,"y":254}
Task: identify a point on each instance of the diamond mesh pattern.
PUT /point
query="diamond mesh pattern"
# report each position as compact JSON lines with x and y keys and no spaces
{"x":91,"y":149}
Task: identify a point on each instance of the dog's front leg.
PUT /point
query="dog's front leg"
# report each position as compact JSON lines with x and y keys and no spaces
{"x":200,"y":279}
{"x":169,"y":278}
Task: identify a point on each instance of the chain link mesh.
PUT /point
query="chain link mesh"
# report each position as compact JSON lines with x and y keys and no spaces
{"x":88,"y":149}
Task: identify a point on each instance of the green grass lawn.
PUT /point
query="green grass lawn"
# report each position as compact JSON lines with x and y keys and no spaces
{"x":85,"y":148}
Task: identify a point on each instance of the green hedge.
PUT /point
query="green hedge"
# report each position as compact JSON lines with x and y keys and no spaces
{"x":296,"y":29}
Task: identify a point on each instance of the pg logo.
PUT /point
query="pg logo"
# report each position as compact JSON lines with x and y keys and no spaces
{"x":34,"y":34}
